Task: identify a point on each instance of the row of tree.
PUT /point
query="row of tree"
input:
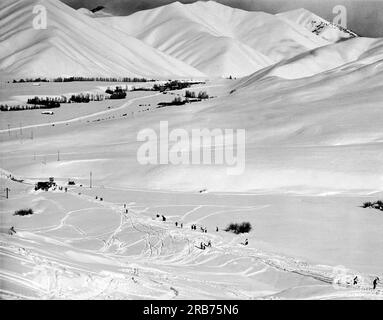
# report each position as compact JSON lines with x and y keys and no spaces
{"x":6,"y":107}
{"x":85,"y":98}
{"x":30,"y":80}
{"x":73,"y":79}
{"x":178,"y":101}
{"x":75,"y":98}
{"x":102,"y":79}
{"x":202,"y":95}
{"x":48,"y":103}
{"x":117,"y":93}
{"x":174,"y":85}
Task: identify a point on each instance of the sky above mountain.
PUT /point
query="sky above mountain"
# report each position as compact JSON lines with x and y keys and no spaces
{"x":362,"y":15}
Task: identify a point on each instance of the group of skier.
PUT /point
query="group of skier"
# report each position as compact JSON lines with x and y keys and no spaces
{"x":163,"y":218}
{"x":181,"y":225}
{"x":375,"y":282}
{"x":203,"y":245}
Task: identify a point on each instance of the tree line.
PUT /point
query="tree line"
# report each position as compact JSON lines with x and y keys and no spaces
{"x":174,"y":85}
{"x":89,"y":79}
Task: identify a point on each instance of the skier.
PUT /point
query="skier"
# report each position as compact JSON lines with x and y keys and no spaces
{"x":163,"y":218}
{"x":216,"y":229}
{"x":356,"y":280}
{"x":375,"y":282}
{"x":12,"y":231}
{"x":209,"y":244}
{"x":182,"y":225}
{"x":176,"y":224}
{"x":246,"y":242}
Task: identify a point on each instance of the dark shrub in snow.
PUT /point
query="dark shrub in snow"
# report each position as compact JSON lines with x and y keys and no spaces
{"x":23,"y":212}
{"x":244,"y":227}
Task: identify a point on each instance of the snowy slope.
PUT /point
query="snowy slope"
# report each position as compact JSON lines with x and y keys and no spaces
{"x":79,"y":248}
{"x":217,"y":39}
{"x":317,"y":25}
{"x":360,"y":50}
{"x":74,"y":44}
{"x":319,"y":134}
{"x":315,"y":134}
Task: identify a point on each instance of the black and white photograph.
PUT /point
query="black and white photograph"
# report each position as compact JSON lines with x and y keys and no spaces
{"x":161,"y":150}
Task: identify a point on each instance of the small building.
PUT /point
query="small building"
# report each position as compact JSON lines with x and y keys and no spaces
{"x":43,"y":185}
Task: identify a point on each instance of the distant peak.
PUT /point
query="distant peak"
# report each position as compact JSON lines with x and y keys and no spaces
{"x":209,"y":3}
{"x":321,"y":27}
{"x":176,"y":4}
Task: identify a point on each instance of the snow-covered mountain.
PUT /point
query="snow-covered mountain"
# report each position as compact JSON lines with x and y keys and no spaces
{"x":176,"y":40}
{"x":317,"y":25}
{"x":74,"y":44}
{"x":217,"y":39}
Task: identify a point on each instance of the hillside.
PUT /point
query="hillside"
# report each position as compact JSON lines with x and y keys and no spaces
{"x":358,"y":50}
{"x":217,"y":39}
{"x":176,"y":40}
{"x":74,"y":44}
{"x":317,"y":25}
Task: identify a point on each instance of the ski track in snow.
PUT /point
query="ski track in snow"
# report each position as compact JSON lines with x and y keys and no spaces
{"x":54,"y":278}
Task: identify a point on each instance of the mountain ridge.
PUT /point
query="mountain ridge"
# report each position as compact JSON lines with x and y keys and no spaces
{"x":74,"y":44}
{"x":203,"y":24}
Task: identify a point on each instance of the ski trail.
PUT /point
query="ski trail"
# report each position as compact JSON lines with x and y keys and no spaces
{"x":181,"y":252}
{"x":226,"y":211}
{"x":190,"y":212}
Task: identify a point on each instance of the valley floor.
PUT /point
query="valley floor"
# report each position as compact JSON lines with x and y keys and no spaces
{"x":303,"y":245}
